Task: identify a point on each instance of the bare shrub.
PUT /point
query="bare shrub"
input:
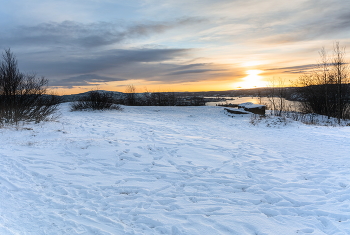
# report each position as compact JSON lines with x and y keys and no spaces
{"x":95,"y":100}
{"x":255,"y":119}
{"x":316,"y":119}
{"x":276,"y":95}
{"x":268,"y":120}
{"x":23,"y":97}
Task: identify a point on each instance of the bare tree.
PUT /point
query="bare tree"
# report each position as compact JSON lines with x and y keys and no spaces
{"x":159,"y":98}
{"x":23,"y":97}
{"x":276,"y":95}
{"x":340,"y":73}
{"x":130,"y":95}
{"x":326,"y":90}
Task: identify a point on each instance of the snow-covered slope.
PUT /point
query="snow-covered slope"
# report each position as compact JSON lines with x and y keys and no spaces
{"x":173,"y":170}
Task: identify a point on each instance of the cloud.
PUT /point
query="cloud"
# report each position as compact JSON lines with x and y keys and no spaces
{"x":156,"y":65}
{"x":84,"y":80}
{"x":191,"y":71}
{"x":159,"y":66}
{"x":326,"y":20}
{"x":189,"y":66}
{"x":295,"y":69}
{"x":87,"y":35}
{"x":97,"y":62}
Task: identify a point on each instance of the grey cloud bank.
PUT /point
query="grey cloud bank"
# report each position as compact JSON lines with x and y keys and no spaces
{"x":84,"y":80}
{"x":86,"y":35}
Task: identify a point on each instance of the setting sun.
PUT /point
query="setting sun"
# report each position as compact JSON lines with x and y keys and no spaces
{"x":252,"y":80}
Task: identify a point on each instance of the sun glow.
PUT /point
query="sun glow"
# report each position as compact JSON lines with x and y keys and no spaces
{"x":252,"y":80}
{"x":254,"y":72}
{"x":251,"y":63}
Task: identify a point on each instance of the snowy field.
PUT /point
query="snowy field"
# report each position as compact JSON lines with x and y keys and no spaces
{"x":173,"y":170}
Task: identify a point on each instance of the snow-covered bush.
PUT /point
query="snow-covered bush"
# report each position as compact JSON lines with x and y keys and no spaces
{"x":268,"y":120}
{"x":316,"y":119}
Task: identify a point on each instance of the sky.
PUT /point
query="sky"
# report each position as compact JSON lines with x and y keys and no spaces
{"x":170,"y":45}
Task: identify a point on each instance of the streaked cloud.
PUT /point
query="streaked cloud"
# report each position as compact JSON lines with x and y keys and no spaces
{"x":295,"y":69}
{"x":191,"y":71}
{"x":87,"y":35}
{"x":117,"y":59}
{"x":84,"y":80}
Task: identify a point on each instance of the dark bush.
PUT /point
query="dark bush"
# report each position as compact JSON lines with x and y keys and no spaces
{"x":23,"y":97}
{"x":95,"y":100}
{"x":157,"y":99}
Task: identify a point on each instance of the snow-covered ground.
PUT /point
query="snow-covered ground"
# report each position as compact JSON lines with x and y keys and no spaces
{"x":173,"y":170}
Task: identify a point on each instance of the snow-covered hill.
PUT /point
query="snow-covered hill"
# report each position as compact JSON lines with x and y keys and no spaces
{"x":173,"y":170}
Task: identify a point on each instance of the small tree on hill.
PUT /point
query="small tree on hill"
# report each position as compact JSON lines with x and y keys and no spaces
{"x":130,"y":95}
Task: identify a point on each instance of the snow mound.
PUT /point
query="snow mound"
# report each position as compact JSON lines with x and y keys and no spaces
{"x":250,"y":105}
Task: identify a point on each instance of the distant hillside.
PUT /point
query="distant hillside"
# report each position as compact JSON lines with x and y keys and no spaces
{"x":71,"y":98}
{"x":265,"y":91}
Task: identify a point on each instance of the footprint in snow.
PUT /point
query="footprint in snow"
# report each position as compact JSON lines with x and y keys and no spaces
{"x":137,"y":155}
{"x":157,"y":157}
